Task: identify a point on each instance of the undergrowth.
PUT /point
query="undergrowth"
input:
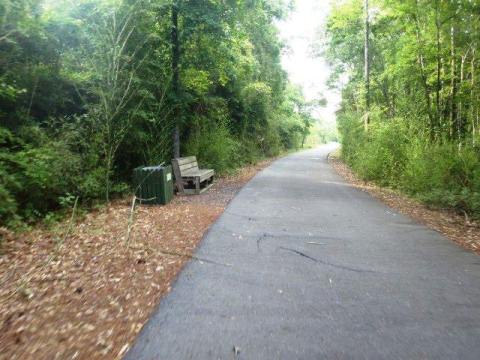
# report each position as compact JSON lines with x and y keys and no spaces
{"x":441,"y":173}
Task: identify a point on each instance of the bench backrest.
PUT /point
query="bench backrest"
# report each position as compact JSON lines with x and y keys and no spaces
{"x":186,"y":163}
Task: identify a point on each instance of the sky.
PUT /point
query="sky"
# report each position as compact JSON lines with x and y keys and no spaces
{"x":298,"y":32}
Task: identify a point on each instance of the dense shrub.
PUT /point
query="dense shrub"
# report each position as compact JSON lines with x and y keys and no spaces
{"x":444,"y":175}
{"x":381,"y":157}
{"x":352,"y":136}
{"x":34,"y":179}
{"x":248,"y":152}
{"x":8,"y":184}
{"x":215,"y":148}
{"x":290,"y":133}
{"x":39,"y":174}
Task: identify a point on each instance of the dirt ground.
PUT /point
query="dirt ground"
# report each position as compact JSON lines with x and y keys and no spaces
{"x":458,"y":228}
{"x":84,"y":293}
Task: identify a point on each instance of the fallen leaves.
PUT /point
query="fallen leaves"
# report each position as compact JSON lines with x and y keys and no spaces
{"x":90,"y":297}
{"x":457,"y":228}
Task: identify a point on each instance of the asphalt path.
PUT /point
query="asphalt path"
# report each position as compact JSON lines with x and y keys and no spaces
{"x":304,"y":266}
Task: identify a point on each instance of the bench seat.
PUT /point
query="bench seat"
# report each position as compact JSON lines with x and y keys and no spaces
{"x":204,"y":174}
{"x":189,"y":178}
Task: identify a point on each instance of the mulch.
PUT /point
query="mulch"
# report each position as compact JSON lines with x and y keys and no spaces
{"x":85,"y":293}
{"x":457,"y":227}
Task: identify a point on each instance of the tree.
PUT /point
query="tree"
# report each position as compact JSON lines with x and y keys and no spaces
{"x":175,"y":74}
{"x":419,"y":73}
{"x":113,"y":63}
{"x":91,"y":89}
{"x":367,"y":64}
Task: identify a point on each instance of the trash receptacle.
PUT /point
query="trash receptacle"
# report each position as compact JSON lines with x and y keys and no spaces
{"x":153,"y":184}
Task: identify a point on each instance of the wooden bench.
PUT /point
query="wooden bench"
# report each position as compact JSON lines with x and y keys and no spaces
{"x":189,"y":178}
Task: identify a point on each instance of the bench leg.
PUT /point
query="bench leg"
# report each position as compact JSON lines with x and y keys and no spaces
{"x":197,"y":186}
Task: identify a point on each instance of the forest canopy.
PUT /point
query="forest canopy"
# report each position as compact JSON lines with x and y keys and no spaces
{"x":91,"y":89}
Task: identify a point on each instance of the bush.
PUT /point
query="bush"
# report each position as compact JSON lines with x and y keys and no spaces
{"x":92,"y":184}
{"x":444,"y":175}
{"x":34,"y":178}
{"x":8,"y":204}
{"x":352,"y":136}
{"x":391,"y":155}
{"x":8,"y":183}
{"x":269,"y":140}
{"x":382,"y":156}
{"x":215,"y":148}
{"x":45,"y":174}
{"x":289,"y":132}
{"x":248,"y":152}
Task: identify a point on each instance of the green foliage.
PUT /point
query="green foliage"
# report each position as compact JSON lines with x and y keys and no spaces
{"x":34,"y":178}
{"x":382,"y":154}
{"x":8,"y":182}
{"x":440,"y":174}
{"x":352,"y":136}
{"x":444,"y":175}
{"x":215,"y":148}
{"x":87,"y":94}
{"x":423,"y":97}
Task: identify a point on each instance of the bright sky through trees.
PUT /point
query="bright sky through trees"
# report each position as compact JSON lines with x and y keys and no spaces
{"x":311,"y":73}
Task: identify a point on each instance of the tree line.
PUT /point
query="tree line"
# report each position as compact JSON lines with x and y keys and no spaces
{"x":410,"y":112}
{"x":91,"y":89}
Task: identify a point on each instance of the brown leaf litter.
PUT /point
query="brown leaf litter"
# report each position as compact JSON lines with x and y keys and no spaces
{"x":89,"y":296}
{"x":457,"y":228}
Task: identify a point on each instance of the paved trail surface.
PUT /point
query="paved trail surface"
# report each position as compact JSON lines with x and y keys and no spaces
{"x":319,"y":270}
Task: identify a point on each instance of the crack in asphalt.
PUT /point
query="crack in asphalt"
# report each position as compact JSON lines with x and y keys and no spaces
{"x":343,"y":267}
{"x":291,"y":236}
{"x":259,"y":240}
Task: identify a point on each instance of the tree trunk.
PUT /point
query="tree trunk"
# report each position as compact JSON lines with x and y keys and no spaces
{"x":439,"y":64}
{"x":423,"y":75}
{"x":367,"y":66}
{"x":108,"y":170}
{"x":175,"y":80}
{"x":460,"y":116}
{"x":453,"y":83}
{"x":472,"y":96}
{"x":304,"y":137}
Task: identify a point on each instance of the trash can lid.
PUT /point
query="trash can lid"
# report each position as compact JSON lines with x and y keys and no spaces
{"x":151,"y":168}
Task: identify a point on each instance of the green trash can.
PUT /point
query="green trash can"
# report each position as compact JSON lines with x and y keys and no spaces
{"x":153,"y":184}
